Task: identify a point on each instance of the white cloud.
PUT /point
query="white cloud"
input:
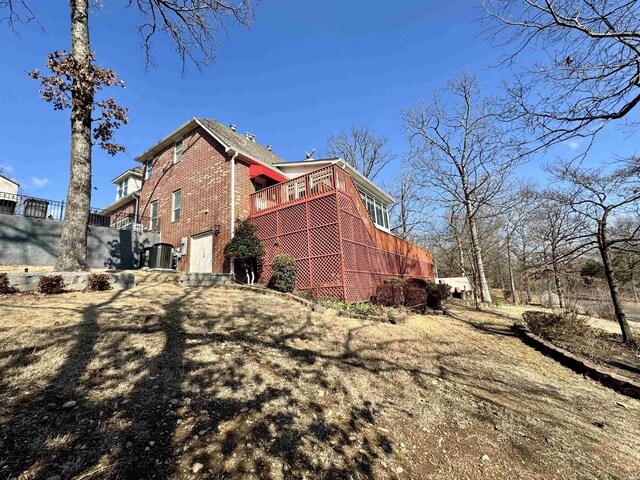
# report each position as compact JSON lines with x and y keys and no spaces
{"x":573,"y":144}
{"x":40,"y":182}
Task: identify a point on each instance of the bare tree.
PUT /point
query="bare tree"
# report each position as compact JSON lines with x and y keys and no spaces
{"x":599,"y":196}
{"x":406,"y":213}
{"x":361,"y":148}
{"x":465,"y":155}
{"x":587,"y":69}
{"x":190,"y":24}
{"x":561,"y":237}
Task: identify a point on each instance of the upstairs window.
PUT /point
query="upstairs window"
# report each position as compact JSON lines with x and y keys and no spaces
{"x":153,"y":221}
{"x":177,"y":151}
{"x":177,"y":200}
{"x":149,"y":169}
{"x":123,"y":188}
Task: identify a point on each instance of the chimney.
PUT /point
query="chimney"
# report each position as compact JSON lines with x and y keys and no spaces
{"x":232,"y":127}
{"x":269,"y":148}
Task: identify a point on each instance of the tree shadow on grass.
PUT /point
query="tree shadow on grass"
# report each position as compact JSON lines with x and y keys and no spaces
{"x":240,"y":391}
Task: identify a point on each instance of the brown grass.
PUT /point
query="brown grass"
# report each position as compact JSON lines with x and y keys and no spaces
{"x":258,"y":387}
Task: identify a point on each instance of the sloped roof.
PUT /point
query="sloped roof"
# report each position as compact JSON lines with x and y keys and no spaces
{"x":240,"y":142}
{"x":139,"y":170}
{"x":10,"y":180}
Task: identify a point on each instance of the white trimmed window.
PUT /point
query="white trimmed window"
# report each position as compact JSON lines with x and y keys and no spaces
{"x":177,"y":151}
{"x":377,"y":210}
{"x":177,"y":201}
{"x":149,"y":171}
{"x":153,"y":221}
{"x":123,"y":187}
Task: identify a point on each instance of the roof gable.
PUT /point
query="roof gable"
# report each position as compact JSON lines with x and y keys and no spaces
{"x":237,"y":141}
{"x":10,"y":180}
{"x":229,"y":139}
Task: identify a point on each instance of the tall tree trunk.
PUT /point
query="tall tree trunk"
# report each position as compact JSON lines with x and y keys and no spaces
{"x":73,"y":244}
{"x":512,"y":281}
{"x":556,"y":277}
{"x":634,"y":286}
{"x":477,"y":253}
{"x":603,"y":247}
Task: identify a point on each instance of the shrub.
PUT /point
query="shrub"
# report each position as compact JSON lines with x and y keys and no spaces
{"x":415,"y":298}
{"x":394,"y":281}
{"x":51,"y":285}
{"x":361,"y":308}
{"x":247,"y":247}
{"x":416,"y":283}
{"x":554,"y":326}
{"x":99,"y":282}
{"x":436,"y":294}
{"x":390,"y":295}
{"x":4,"y":284}
{"x":283,"y":273}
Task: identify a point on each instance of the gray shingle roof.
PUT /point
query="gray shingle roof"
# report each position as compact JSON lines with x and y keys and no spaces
{"x":139,"y":170}
{"x":241,"y":142}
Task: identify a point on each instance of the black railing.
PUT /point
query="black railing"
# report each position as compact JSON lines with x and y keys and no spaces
{"x":13,"y":204}
{"x":27,"y":206}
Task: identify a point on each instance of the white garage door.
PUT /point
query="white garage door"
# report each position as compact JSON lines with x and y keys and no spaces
{"x":202,"y":253}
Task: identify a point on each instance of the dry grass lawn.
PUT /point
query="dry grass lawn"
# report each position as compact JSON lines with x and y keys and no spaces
{"x":237,"y":385}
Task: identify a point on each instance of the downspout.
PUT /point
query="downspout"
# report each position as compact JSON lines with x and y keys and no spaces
{"x":136,"y":195}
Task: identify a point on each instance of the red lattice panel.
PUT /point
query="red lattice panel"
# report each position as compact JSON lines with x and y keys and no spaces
{"x":323,"y":211}
{"x":293,"y":218}
{"x":303,"y":280}
{"x":339,"y":252}
{"x":326,"y":271}
{"x":295,"y":244}
{"x":324,"y":240}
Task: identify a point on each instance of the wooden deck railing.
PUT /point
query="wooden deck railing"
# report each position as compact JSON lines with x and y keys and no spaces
{"x":306,"y":186}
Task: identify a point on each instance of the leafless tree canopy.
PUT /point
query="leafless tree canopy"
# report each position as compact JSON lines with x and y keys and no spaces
{"x":464,"y":153}
{"x":192,"y":25}
{"x":361,"y":148}
{"x":586,"y":68}
{"x":408,"y":211}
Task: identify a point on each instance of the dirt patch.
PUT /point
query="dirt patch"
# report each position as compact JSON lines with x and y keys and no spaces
{"x":158,"y":382}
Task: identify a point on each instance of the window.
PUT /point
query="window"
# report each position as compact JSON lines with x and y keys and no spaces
{"x":177,"y":152}
{"x":123,"y":186}
{"x":377,"y":210}
{"x":175,"y":216}
{"x":149,"y":169}
{"x":153,"y":222}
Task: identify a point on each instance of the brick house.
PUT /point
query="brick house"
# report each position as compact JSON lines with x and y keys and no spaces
{"x":193,"y":184}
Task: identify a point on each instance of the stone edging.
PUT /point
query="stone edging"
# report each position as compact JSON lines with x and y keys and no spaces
{"x":604,"y":375}
{"x":316,"y":307}
{"x":74,"y":281}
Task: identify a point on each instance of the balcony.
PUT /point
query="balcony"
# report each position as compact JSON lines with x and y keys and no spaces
{"x":27,"y":206}
{"x":314,"y":184}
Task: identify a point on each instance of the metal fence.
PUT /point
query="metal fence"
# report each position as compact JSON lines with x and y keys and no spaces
{"x":27,"y":206}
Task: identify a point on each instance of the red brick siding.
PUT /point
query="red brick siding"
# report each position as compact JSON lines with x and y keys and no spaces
{"x":204,"y":176}
{"x":124,"y":210}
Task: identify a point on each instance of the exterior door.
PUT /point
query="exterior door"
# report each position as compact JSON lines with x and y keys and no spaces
{"x":202,"y":253}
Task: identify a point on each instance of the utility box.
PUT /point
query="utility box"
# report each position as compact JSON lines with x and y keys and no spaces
{"x":36,"y":208}
{"x":161,"y":256}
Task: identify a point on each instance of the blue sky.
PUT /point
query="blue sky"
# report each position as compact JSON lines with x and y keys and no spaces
{"x":304,"y":71}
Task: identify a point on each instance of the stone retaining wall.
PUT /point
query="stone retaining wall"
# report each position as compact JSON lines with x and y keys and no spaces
{"x":602,"y":374}
{"x":74,"y":281}
{"x":36,"y":241}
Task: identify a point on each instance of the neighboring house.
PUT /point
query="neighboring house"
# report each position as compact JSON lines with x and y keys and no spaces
{"x":8,"y":186}
{"x":8,"y":194}
{"x":198,"y":180}
{"x":122,"y":212}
